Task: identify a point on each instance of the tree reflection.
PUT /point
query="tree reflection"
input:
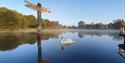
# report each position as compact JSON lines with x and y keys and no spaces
{"x":91,"y":33}
{"x":48,"y":35}
{"x":10,"y":41}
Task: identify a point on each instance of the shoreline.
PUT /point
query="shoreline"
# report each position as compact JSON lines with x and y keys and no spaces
{"x":34,"y":30}
{"x":53,"y":30}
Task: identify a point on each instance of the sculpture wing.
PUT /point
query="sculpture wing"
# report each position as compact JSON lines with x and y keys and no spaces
{"x":35,"y":7}
{"x":30,"y":5}
{"x":44,"y":10}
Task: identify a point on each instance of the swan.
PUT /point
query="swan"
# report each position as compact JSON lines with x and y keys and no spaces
{"x":66,"y":41}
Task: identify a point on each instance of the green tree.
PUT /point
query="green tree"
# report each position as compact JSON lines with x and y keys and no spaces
{"x":118,"y":23}
{"x":11,"y":20}
{"x":32,"y":21}
{"x":81,"y":24}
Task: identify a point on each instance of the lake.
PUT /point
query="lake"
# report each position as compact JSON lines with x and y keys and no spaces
{"x":89,"y":46}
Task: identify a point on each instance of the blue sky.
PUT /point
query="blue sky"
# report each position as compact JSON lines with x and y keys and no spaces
{"x":70,"y":12}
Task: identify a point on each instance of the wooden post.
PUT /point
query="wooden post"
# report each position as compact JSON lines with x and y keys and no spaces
{"x":124,"y":40}
{"x":39,"y":34}
{"x":122,"y":31}
{"x":39,"y":24}
{"x":39,"y":18}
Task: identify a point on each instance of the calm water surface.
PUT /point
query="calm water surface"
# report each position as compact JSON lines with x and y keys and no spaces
{"x":90,"y":46}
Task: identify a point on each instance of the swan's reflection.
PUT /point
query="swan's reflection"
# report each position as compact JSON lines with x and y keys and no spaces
{"x":66,"y":42}
{"x":121,"y":50}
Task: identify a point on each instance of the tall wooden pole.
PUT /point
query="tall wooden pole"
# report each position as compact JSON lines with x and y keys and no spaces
{"x":39,"y":34}
{"x":39,"y":9}
{"x":124,"y":40}
{"x":39,"y":18}
{"x":39,"y":24}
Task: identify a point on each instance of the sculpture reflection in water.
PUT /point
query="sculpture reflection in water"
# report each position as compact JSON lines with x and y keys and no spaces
{"x":121,"y":50}
{"x":39,"y":42}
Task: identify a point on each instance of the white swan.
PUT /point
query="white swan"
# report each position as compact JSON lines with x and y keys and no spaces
{"x":66,"y":41}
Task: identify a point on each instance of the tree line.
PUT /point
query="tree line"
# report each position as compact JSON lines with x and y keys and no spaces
{"x":116,"y":24}
{"x":12,"y":20}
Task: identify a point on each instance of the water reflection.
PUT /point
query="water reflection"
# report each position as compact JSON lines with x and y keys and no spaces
{"x":39,"y":48}
{"x":39,"y":42}
{"x":10,"y":41}
{"x":121,"y":50}
{"x":13,"y":40}
{"x":48,"y":35}
{"x":100,"y":33}
{"x":100,"y":49}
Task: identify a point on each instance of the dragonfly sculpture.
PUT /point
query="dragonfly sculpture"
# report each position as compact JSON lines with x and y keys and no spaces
{"x":39,"y":10}
{"x":36,"y":7}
